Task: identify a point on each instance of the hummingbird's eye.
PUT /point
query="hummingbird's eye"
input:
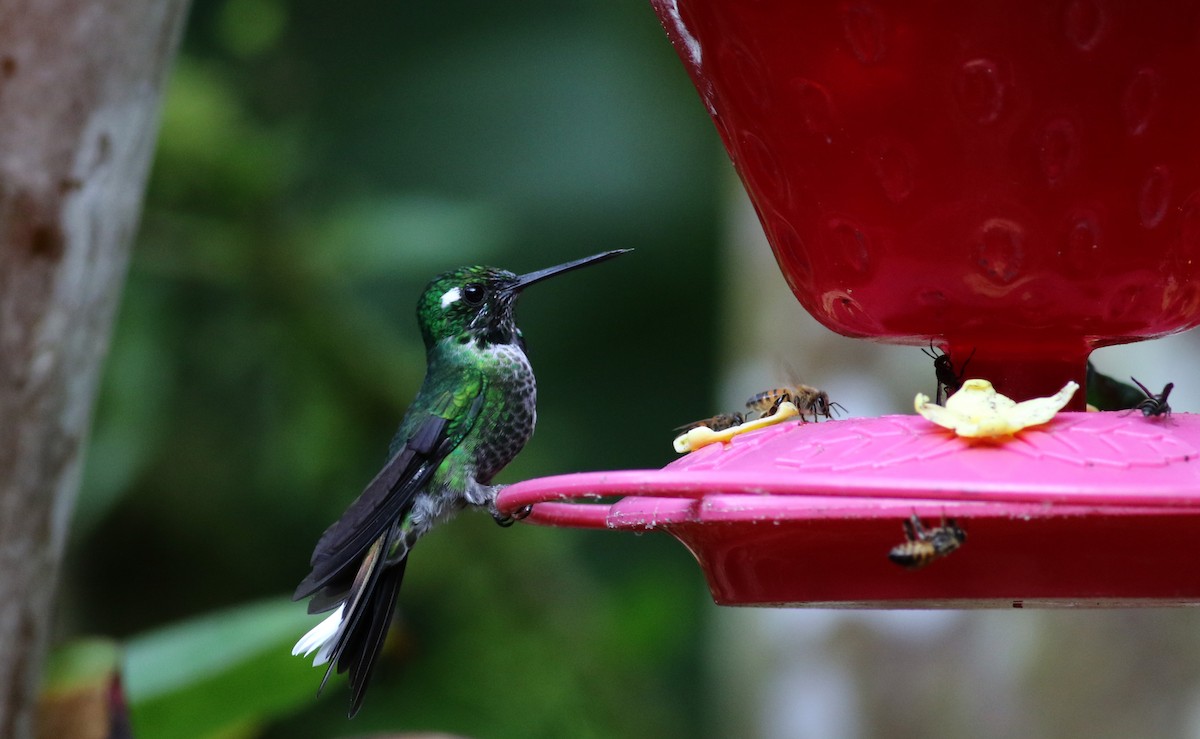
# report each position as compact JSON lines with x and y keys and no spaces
{"x":473,"y":293}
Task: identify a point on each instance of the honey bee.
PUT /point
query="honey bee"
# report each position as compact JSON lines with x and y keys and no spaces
{"x":949,"y":380}
{"x":1154,"y":405}
{"x":719,"y":422}
{"x":808,"y":399}
{"x":922,"y":545}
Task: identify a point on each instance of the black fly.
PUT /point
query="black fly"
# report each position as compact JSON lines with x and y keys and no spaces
{"x":949,"y":381}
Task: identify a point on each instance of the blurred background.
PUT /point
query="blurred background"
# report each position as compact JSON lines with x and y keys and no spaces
{"x":317,"y":165}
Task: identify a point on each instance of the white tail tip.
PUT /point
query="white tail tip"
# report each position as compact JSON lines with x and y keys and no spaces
{"x":322,"y":638}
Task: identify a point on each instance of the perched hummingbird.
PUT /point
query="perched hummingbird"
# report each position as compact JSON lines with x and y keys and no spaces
{"x":473,"y":413}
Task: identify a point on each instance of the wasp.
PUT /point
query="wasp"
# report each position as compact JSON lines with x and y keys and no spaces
{"x":922,"y":545}
{"x":719,"y":422}
{"x":808,"y":399}
{"x":949,"y":380}
{"x":1154,"y":405}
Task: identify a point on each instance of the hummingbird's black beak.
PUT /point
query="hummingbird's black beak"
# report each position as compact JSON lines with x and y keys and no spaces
{"x":526,"y":280}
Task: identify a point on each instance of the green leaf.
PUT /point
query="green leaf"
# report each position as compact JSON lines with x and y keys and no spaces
{"x":219,"y":672}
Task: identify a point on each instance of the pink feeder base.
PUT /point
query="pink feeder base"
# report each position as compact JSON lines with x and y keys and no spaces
{"x":1093,"y":509}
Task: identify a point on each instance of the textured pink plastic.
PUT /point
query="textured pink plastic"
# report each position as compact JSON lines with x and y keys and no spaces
{"x":1092,"y":509}
{"x":1017,"y":178}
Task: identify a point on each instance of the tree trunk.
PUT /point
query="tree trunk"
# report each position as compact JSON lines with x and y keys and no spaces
{"x":80,"y":86}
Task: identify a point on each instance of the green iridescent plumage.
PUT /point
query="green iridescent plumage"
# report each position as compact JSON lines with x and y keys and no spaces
{"x":473,"y":413}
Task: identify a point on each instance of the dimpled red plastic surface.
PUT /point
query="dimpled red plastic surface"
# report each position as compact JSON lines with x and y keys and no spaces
{"x":1018,"y":178}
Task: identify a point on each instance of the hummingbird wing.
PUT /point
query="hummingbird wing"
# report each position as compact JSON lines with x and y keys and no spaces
{"x":386,"y":499}
{"x":343,"y":544}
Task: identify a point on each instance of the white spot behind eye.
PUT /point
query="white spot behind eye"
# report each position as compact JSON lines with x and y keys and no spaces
{"x":452,"y":295}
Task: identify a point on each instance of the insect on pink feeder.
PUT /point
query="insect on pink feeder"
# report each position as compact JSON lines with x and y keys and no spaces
{"x":1015,"y":179}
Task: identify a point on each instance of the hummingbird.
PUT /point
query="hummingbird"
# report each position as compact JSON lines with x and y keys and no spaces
{"x":474,"y":411}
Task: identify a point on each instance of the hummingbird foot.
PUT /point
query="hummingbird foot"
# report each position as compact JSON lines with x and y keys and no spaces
{"x":505,"y":520}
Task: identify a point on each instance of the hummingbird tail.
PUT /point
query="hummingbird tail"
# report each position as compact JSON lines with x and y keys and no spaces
{"x":352,"y":637}
{"x":364,"y":641}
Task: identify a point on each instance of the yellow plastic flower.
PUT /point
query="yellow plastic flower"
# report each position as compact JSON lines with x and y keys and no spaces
{"x":702,"y":436}
{"x":977,"y":411}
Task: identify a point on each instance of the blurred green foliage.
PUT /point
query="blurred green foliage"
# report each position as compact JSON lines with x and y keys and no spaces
{"x":318,"y":163}
{"x":219,"y":674}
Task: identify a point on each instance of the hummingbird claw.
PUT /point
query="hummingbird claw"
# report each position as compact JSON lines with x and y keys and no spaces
{"x":505,"y":521}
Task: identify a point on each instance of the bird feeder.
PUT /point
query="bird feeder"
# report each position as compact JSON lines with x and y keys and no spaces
{"x":1018,"y":182}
